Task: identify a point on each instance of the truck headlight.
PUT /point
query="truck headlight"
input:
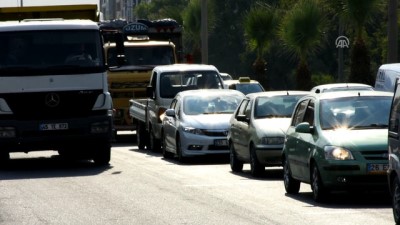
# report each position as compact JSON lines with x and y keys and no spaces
{"x":7,"y":132}
{"x":337,"y":153}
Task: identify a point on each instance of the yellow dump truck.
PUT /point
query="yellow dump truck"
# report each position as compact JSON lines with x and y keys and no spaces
{"x":132,"y":51}
{"x":82,"y":11}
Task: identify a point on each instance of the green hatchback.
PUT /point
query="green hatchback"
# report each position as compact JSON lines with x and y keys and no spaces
{"x":338,"y":141}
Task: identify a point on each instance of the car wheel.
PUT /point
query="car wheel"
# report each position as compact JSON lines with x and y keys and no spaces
{"x":319,"y":191}
{"x":166,"y":154}
{"x":181,"y":158}
{"x":155,"y":144}
{"x":102,"y":155}
{"x":396,"y":200}
{"x":292,"y":186}
{"x":255,"y":167}
{"x":236,"y":165}
{"x":141,"y":136}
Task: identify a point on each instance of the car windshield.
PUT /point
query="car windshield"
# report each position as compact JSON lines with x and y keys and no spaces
{"x":275,"y":106}
{"x":210,"y":104}
{"x":249,"y":88}
{"x":368,"y":112}
{"x":352,"y":88}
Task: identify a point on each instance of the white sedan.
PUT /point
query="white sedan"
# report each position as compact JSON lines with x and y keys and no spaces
{"x":197,"y":122}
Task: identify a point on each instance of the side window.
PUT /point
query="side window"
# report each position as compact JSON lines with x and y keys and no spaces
{"x":299,"y":112}
{"x":309,"y":114}
{"x":242,"y":107}
{"x":247,"y":111}
{"x":395,"y":112}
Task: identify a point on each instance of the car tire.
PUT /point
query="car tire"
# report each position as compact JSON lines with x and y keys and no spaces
{"x":165,"y":153}
{"x":396,"y":200}
{"x":319,"y":191}
{"x":141,"y":136}
{"x":255,"y":167}
{"x":236,"y":165}
{"x":102,"y":155}
{"x":181,"y":157}
{"x":292,"y":186}
{"x":155,"y":144}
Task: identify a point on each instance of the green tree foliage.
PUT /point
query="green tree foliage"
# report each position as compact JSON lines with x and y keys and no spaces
{"x":260,"y":25}
{"x":359,"y":13}
{"x":158,"y":9}
{"x":302,"y":32}
{"x":192,"y":24}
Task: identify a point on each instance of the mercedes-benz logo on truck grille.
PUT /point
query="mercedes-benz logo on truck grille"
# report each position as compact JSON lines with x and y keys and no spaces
{"x":52,"y":100}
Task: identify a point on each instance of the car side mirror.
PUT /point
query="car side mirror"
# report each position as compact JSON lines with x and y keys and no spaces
{"x":242,"y":118}
{"x":170,"y":112}
{"x":304,"y":128}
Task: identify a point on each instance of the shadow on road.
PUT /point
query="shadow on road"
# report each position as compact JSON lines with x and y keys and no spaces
{"x":46,"y":167}
{"x":341,"y":200}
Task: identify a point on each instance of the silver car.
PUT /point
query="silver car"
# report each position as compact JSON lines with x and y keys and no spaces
{"x":197,"y":122}
{"x":257,"y":129}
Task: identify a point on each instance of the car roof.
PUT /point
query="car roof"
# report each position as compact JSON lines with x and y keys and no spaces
{"x":237,"y":81}
{"x":323,"y":87}
{"x":204,"y":92}
{"x":277,"y":93}
{"x":185,"y":67}
{"x":350,"y":93}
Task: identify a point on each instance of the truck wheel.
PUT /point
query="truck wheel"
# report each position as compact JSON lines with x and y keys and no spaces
{"x":141,"y":136}
{"x":4,"y":158}
{"x":102,"y":155}
{"x":155,"y":143}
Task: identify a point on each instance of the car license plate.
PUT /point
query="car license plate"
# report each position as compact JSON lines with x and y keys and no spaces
{"x":375,"y":168}
{"x":54,"y":126}
{"x":221,"y":142}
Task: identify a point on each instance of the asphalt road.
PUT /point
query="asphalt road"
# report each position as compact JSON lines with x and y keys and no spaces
{"x":140,"y":187}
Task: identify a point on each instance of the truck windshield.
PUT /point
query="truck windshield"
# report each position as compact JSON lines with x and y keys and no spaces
{"x":173,"y":82}
{"x":143,"y":55}
{"x":50,"y":52}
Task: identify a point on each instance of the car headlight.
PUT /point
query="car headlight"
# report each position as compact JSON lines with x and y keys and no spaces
{"x":337,"y":153}
{"x":272,"y":140}
{"x":193,"y":130}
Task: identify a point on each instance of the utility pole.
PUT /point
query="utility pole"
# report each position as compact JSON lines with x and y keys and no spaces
{"x":392,"y":31}
{"x":22,"y":3}
{"x":204,"y":32}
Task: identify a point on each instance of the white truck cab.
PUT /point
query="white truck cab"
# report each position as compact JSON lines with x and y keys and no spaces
{"x":48,"y":100}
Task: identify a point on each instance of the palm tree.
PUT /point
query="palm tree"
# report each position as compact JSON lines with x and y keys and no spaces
{"x":260,"y":25}
{"x":302,"y":33}
{"x":359,"y":13}
{"x":192,"y":25}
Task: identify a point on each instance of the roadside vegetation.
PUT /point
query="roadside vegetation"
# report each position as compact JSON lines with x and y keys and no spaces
{"x":294,"y":47}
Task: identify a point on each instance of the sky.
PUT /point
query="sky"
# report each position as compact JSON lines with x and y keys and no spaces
{"x":14,"y":3}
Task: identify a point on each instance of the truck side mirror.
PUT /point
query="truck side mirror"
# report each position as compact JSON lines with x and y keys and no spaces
{"x":150,"y":92}
{"x":119,"y":41}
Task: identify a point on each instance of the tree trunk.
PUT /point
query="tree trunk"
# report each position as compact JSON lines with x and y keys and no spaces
{"x":360,"y":70}
{"x":303,"y":77}
{"x":260,"y":72}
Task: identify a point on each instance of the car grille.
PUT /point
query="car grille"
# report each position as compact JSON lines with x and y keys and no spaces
{"x":215,"y":133}
{"x":375,"y":155}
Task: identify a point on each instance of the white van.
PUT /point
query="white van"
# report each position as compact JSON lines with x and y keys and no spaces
{"x":386,"y":77}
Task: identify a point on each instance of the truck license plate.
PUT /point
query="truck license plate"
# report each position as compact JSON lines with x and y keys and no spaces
{"x":54,"y":126}
{"x":375,"y":168}
{"x":221,"y":142}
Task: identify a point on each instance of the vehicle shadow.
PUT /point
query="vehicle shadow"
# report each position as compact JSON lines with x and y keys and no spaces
{"x":47,"y":167}
{"x":340,"y":200}
{"x":273,"y":173}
